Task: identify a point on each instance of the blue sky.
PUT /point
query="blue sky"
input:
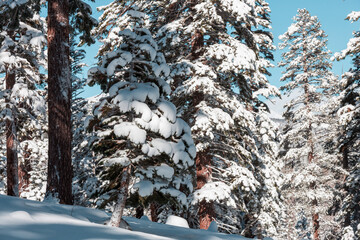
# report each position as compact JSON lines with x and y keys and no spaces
{"x":331,"y":14}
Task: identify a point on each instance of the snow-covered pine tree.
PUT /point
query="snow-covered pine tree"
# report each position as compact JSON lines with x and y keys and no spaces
{"x":350,"y":140}
{"x":309,"y":168}
{"x":85,"y":181}
{"x":144,"y":146}
{"x":22,"y":54}
{"x":271,"y":211}
{"x":217,"y":49}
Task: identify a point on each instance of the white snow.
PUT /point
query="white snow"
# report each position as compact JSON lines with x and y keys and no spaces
{"x":177,"y":221}
{"x":146,"y":188}
{"x":354,"y":16}
{"x":165,"y":171}
{"x":114,"y":63}
{"x":130,"y":130}
{"x":24,"y":219}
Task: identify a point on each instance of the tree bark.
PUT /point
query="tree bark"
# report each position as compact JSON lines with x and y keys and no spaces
{"x":315,"y":215}
{"x":24,"y":171}
{"x":122,"y":196}
{"x":154,"y":207}
{"x":11,"y":145}
{"x":203,"y":175}
{"x":345,"y":163}
{"x":316,"y":226}
{"x":59,"y":84}
{"x":203,"y":160}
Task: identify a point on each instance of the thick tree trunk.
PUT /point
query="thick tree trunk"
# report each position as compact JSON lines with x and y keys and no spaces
{"x":122,"y":196}
{"x":59,"y":85}
{"x":203,"y":175}
{"x":11,"y":145}
{"x":203,"y":160}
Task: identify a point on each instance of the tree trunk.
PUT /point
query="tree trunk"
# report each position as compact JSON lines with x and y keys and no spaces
{"x":154,"y":207}
{"x":206,"y":214}
{"x":122,"y":196}
{"x":315,"y":215}
{"x":316,"y":223}
{"x":59,"y":84}
{"x":11,"y":145}
{"x":24,"y":171}
{"x":316,"y":226}
{"x":345,"y":162}
{"x":203,"y":175}
{"x":203,"y":160}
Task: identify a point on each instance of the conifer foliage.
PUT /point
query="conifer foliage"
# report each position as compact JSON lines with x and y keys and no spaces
{"x":212,"y":48}
{"x":310,"y":170}
{"x":143,"y":143}
{"x":350,"y":140}
{"x":22,"y":54}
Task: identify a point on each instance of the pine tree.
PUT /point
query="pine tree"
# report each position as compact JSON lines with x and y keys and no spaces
{"x":214,"y":47}
{"x":85,"y":182}
{"x":22,"y":44}
{"x":350,"y":140}
{"x":144,"y":146}
{"x":310,"y":169}
{"x":59,"y":92}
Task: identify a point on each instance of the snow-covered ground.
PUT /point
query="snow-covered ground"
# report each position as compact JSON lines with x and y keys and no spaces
{"x":24,"y":219}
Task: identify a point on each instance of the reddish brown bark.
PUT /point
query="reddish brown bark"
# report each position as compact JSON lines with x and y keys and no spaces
{"x":206,"y":214}
{"x":122,"y":196}
{"x":203,"y":170}
{"x":11,"y":145}
{"x":203,"y":175}
{"x":59,"y":163}
{"x":316,"y":226}
{"x":154,"y":207}
{"x":197,"y":44}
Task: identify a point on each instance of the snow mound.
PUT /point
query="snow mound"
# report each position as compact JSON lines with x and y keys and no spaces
{"x":177,"y":221}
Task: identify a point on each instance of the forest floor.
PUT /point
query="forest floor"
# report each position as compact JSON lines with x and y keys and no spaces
{"x":24,"y":219}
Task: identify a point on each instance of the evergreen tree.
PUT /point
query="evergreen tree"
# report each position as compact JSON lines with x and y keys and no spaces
{"x":59,"y":80}
{"x":59,"y":93}
{"x":214,"y":47}
{"x":350,"y":140}
{"x":22,"y":44}
{"x":144,"y":146}
{"x":85,"y":180}
{"x":310,"y":168}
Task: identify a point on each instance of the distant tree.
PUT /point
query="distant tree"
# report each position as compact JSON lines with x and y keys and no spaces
{"x":144,"y":146}
{"x":350,"y":140}
{"x":310,"y":169}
